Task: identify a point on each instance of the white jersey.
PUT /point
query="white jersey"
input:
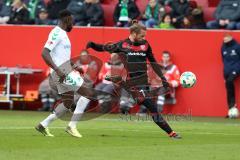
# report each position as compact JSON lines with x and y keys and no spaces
{"x":59,"y":45}
{"x":60,"y":51}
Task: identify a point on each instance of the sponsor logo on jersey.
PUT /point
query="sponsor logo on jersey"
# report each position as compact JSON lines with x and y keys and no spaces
{"x":233,"y":53}
{"x":137,"y":54}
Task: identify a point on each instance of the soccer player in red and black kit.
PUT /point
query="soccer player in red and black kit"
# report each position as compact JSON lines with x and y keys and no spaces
{"x":135,"y":51}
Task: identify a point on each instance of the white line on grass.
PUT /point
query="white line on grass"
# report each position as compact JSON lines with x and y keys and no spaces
{"x":126,"y":130}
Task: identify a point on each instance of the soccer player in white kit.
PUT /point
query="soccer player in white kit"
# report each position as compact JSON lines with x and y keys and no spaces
{"x":57,"y":55}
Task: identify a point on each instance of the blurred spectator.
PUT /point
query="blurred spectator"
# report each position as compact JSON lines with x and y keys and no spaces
{"x":186,"y":23}
{"x":19,"y":13}
{"x":114,"y":67}
{"x":164,"y":8}
{"x":180,"y":9}
{"x":42,"y":18}
{"x":34,"y":7}
{"x":94,"y":14}
{"x":197,"y":21}
{"x":165,"y":2}
{"x":5,"y":10}
{"x":151,"y":15}
{"x":238,"y":26}
{"x":172,"y":75}
{"x":194,"y":21}
{"x":227,"y":15}
{"x":124,"y":12}
{"x":77,"y":8}
{"x":89,"y":67}
{"x":48,"y":95}
{"x":55,"y":6}
{"x":166,"y":22}
{"x":231,"y":60}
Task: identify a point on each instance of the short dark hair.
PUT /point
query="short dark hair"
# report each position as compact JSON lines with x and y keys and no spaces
{"x":64,"y":13}
{"x":136,"y":27}
{"x":165,"y":15}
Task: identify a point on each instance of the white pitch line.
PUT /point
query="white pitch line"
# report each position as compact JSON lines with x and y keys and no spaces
{"x":125,"y":130}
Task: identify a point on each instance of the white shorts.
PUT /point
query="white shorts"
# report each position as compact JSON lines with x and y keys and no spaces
{"x":72,"y":82}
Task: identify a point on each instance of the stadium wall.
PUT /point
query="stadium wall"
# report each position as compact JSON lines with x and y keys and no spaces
{"x":196,"y":51}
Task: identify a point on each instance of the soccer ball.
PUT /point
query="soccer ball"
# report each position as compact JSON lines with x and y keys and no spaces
{"x":233,"y":112}
{"x":187,"y":79}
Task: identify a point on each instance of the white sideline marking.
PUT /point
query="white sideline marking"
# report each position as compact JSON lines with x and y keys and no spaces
{"x":124,"y":130}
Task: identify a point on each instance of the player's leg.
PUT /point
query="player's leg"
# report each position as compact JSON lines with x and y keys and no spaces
{"x":158,"y":119}
{"x":109,"y":98}
{"x":126,"y":102}
{"x":44,"y":100}
{"x":43,"y":125}
{"x":60,"y":110}
{"x":93,"y":94}
{"x":81,"y":105}
{"x":160,"y":102}
{"x":229,"y":83}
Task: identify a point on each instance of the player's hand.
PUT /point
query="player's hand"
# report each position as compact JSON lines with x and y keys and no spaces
{"x":90,"y":45}
{"x":110,"y":47}
{"x":61,"y":75}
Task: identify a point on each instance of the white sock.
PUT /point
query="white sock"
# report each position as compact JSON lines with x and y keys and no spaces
{"x":82,"y":103}
{"x":52,"y":117}
{"x":59,"y":111}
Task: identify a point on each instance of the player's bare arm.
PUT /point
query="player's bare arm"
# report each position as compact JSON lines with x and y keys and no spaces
{"x":48,"y":60}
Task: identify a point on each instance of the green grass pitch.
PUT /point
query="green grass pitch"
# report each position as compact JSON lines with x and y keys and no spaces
{"x":110,"y":137}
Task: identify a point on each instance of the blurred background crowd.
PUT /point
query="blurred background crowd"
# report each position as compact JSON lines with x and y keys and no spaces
{"x":163,"y":14}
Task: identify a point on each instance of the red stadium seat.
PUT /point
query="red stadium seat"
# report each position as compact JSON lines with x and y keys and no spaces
{"x":213,"y":3}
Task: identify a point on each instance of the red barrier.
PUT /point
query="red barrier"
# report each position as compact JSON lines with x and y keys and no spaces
{"x":196,"y":51}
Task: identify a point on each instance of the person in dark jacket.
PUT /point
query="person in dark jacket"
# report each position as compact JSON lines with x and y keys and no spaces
{"x":42,"y":18}
{"x":180,"y":9}
{"x":124,"y":12}
{"x":197,"y":21}
{"x":76,"y":7}
{"x":19,"y":13}
{"x":55,"y":6}
{"x":231,"y":60}
{"x":5,"y":10}
{"x":226,"y":15}
{"x":94,"y":14}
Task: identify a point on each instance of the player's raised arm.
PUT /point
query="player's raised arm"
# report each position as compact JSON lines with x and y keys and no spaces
{"x":109,"y":47}
{"x":95,"y":46}
{"x":156,"y":67}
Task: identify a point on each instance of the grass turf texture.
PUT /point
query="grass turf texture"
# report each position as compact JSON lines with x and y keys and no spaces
{"x":109,"y":137}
